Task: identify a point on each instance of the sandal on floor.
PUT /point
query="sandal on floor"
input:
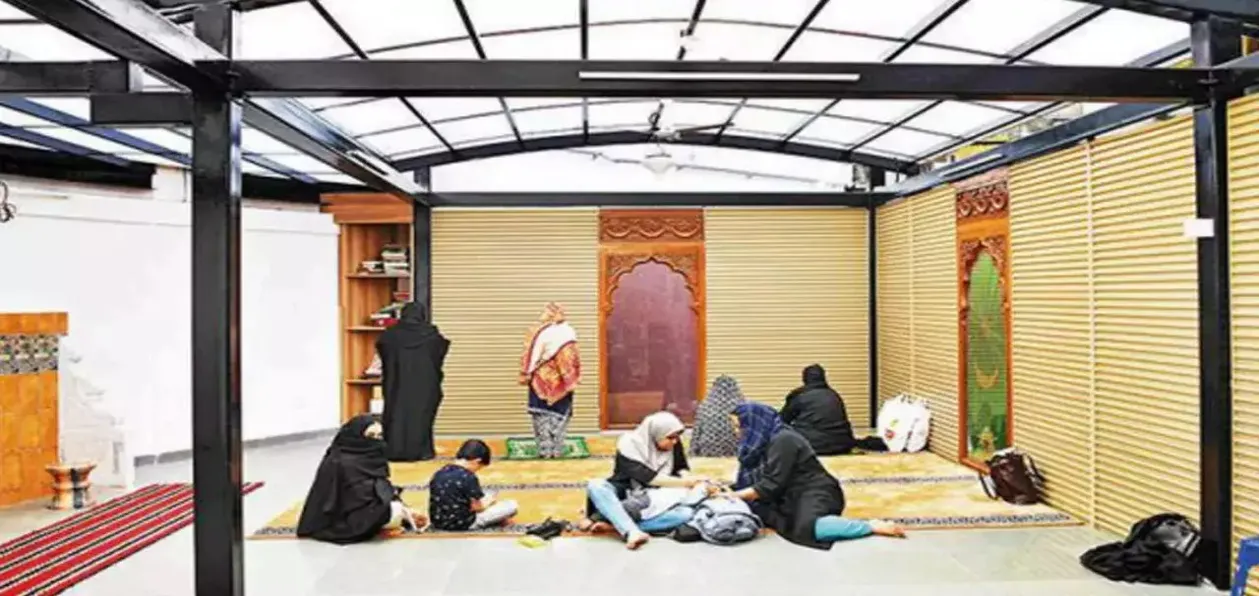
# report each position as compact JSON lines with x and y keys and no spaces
{"x":548,"y":529}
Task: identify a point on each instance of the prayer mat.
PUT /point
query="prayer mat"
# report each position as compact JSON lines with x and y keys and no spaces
{"x":53,"y":559}
{"x":519,"y":448}
{"x":920,"y":491}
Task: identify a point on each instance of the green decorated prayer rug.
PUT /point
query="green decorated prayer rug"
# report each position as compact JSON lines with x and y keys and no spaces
{"x":527,"y":448}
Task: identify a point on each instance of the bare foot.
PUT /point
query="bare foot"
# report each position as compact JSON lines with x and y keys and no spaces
{"x":591,"y":526}
{"x":889,"y":529}
{"x":635,"y":540}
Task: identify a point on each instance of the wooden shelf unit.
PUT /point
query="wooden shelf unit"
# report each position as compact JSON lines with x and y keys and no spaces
{"x":368,"y":224}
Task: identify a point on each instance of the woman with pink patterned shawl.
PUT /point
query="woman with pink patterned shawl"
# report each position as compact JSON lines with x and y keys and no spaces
{"x":551,"y":368}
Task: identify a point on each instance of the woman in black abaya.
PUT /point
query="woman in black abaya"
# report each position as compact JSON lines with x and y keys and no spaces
{"x":411,"y":353}
{"x":817,"y":412}
{"x":351,"y":499}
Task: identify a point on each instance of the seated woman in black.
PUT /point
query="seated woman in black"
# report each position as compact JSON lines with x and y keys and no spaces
{"x":788,"y":487}
{"x":352,"y":499}
{"x":817,"y":412}
{"x":648,"y":459}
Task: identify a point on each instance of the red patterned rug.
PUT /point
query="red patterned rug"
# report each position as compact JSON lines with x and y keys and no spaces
{"x":52,"y":559}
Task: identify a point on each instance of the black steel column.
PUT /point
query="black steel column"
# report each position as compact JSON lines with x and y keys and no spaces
{"x":216,"y":436}
{"x":1214,"y":42}
{"x":422,"y":245}
{"x":872,"y":255}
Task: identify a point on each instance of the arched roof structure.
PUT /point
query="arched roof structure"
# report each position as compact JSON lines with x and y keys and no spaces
{"x":893,"y":134}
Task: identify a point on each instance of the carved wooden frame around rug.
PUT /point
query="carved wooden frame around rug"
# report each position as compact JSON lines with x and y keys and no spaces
{"x":983,"y":226}
{"x":671,"y":237}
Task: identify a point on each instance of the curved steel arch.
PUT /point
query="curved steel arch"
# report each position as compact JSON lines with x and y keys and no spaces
{"x":625,"y":137}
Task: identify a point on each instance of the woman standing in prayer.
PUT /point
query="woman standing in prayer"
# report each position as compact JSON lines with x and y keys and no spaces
{"x":551,"y":369}
{"x":714,"y":434}
{"x":351,"y":499}
{"x":817,"y":412}
{"x":412,"y":352}
{"x":788,"y":487}
{"x":651,"y":463}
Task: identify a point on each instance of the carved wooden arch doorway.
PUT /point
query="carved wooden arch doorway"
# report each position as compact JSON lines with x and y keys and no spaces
{"x":651,"y":314}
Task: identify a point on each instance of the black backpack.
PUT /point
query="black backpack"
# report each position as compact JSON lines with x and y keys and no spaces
{"x":1012,"y":477}
{"x":1158,"y":550}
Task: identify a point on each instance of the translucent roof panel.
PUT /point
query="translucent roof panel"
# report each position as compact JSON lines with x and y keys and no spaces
{"x":1004,"y":24}
{"x":978,"y":32}
{"x":379,"y":24}
{"x":1116,"y":37}
{"x":288,"y":31}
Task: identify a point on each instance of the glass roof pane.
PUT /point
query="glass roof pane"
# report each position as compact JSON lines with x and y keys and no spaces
{"x":1117,"y":37}
{"x":452,"y":50}
{"x":463,"y":132}
{"x":319,"y":103}
{"x":540,"y":121}
{"x":446,"y":108}
{"x":7,"y":140}
{"x":811,"y":106}
{"x":162,"y":137}
{"x":786,"y":12}
{"x":8,"y":12}
{"x":519,"y":103}
{"x":564,"y":44}
{"x":89,"y":141}
{"x":895,"y":23}
{"x":302,"y":163}
{"x":689,"y":113}
{"x":506,"y":15}
{"x":1000,"y":25}
{"x":338,"y":178}
{"x":835,"y":131}
{"x":253,"y":168}
{"x":634,"y":42}
{"x":150,"y":158}
{"x":287,"y":32}
{"x":403,"y":141}
{"x":16,"y":118}
{"x":956,"y":118}
{"x":772,"y":123}
{"x":718,"y":41}
{"x":376,"y":24}
{"x":816,"y":46}
{"x":46,"y":43}
{"x":878,"y":110}
{"x":79,"y":107}
{"x":371,"y":117}
{"x":920,"y":54}
{"x":256,"y":141}
{"x":619,"y":10}
{"x":903,"y":142}
{"x":624,"y":114}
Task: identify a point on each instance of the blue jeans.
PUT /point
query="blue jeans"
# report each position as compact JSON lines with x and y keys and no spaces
{"x":603,"y":495}
{"x":833,"y":528}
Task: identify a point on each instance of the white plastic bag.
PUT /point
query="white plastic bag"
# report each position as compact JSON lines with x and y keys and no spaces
{"x":904,"y":424}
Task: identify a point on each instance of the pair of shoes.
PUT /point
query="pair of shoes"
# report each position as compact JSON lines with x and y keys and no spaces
{"x":548,"y":529}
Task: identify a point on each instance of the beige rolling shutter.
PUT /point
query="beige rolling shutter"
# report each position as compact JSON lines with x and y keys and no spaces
{"x":786,"y":288}
{"x":1052,"y":304}
{"x":934,"y":313}
{"x":895,"y":292}
{"x":1244,"y":203}
{"x":1145,"y":282}
{"x":493,"y":270}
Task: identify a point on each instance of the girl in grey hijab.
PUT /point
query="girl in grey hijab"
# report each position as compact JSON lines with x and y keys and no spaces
{"x":714,"y":435}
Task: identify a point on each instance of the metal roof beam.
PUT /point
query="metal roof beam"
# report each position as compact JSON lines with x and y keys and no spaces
{"x":570,"y":78}
{"x":133,"y":31}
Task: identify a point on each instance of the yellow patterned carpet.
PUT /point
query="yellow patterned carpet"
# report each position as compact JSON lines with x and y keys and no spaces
{"x":920,"y":491}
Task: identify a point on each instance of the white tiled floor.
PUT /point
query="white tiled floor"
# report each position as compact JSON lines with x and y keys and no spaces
{"x":940,"y":563}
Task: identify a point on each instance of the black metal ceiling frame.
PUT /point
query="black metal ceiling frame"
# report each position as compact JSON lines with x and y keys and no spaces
{"x":218,"y":85}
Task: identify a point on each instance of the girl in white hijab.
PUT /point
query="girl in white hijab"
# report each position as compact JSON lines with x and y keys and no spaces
{"x":648,"y":459}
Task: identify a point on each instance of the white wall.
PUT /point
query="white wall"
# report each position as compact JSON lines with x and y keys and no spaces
{"x":119,"y":263}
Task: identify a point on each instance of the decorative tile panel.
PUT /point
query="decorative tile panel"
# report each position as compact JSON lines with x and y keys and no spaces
{"x":28,"y":354}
